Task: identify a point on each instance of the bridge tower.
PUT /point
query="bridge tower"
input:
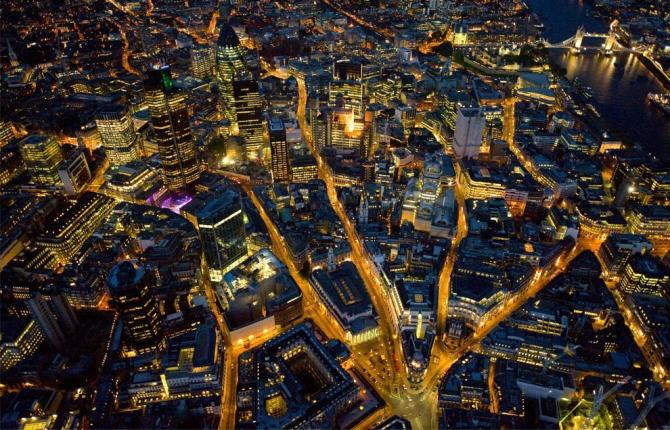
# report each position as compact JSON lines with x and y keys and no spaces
{"x":579,"y":37}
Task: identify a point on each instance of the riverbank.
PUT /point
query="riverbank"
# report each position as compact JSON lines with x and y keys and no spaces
{"x":620,"y":82}
{"x":654,"y":68}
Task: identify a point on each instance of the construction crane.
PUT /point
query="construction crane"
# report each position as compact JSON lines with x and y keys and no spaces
{"x":648,"y":406}
{"x":600,"y":398}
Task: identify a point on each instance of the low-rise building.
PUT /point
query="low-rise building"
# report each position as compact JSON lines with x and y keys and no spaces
{"x":342,"y":291}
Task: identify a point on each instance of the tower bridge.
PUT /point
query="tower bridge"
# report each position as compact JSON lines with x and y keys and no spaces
{"x":575,"y":43}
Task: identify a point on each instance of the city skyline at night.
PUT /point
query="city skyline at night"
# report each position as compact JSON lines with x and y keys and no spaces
{"x":351,"y":214}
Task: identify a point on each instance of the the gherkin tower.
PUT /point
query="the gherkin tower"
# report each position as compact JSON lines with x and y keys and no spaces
{"x":229,"y":66}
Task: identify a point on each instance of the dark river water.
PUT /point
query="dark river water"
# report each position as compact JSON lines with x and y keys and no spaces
{"x":620,"y":82}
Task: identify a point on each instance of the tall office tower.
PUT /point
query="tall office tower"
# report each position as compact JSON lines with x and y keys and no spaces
{"x":46,"y":320}
{"x":279,"y":150}
{"x":249,"y":112}
{"x":117,"y":134}
{"x":170,"y":121}
{"x":6,"y":133}
{"x":347,"y":82}
{"x":55,"y":317}
{"x":42,"y":155}
{"x":229,"y":66}
{"x":202,"y":61}
{"x":469,"y":132}
{"x":370,"y":141}
{"x":346,"y":131}
{"x":322,"y":128}
{"x":61,"y":308}
{"x":130,"y":288}
{"x":221,"y":228}
{"x":312,"y":109}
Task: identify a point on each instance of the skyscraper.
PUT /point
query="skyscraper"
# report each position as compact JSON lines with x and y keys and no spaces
{"x":55,"y":317}
{"x":348,"y":83}
{"x":279,"y":150}
{"x":117,"y":134}
{"x":229,"y":65}
{"x":221,"y":227}
{"x":42,"y":155}
{"x":170,"y":121}
{"x":46,"y":320}
{"x":130,"y":287}
{"x":249,"y":112}
{"x":469,"y":132}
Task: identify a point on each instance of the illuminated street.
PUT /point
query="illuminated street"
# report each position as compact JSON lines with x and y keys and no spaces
{"x":335,"y":214}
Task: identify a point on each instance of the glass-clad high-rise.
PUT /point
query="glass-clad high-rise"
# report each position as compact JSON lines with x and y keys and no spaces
{"x":130,"y":287}
{"x":117,"y":134}
{"x":229,"y":66}
{"x":172,"y":129}
{"x":221,"y":226}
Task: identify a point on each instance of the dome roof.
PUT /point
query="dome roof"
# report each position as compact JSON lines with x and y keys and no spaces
{"x":227,"y":36}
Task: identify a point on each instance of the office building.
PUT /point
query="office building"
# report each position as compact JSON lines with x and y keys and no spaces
{"x":54,"y":316}
{"x":645,"y":274}
{"x":303,"y":169}
{"x":249,"y":116}
{"x":618,"y":248}
{"x":221,"y":227}
{"x":279,"y":151}
{"x":135,"y":182}
{"x":229,"y":67}
{"x":117,"y":134}
{"x":189,"y":368}
{"x":258,"y":296}
{"x":72,"y":223}
{"x":75,"y":173}
{"x":131,"y":290}
{"x":343,"y":292}
{"x":292,"y":381}
{"x":11,"y":164}
{"x":21,"y":338}
{"x":42,"y":156}
{"x":6,"y":133}
{"x":347,"y":83}
{"x":651,"y":220}
{"x":47,"y":321}
{"x":172,"y":130}
{"x":203,"y":59}
{"x":469,"y":132}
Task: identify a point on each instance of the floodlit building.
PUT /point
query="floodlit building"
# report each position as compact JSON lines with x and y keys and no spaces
{"x":42,"y":156}
{"x":469,"y":132}
{"x":117,"y":134}
{"x":342,"y":291}
{"x":258,"y":297}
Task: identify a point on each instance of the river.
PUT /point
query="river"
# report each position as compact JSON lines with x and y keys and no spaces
{"x":620,"y":82}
